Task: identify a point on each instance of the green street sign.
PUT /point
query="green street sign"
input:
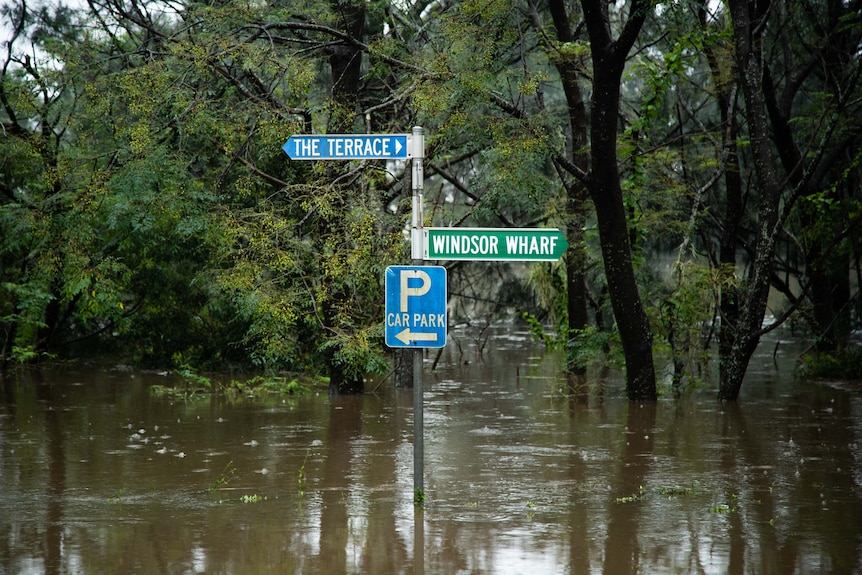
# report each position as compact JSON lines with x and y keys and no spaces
{"x":494,"y":244}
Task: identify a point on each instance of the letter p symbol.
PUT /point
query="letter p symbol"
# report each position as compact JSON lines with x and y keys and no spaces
{"x":416,"y":291}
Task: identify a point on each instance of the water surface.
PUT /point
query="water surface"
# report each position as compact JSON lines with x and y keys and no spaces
{"x":97,"y":476}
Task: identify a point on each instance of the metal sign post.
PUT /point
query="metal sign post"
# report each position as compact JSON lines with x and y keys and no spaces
{"x":416,"y":247}
{"x":420,"y":327}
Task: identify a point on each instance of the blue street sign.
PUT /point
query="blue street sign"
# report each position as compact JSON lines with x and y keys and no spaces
{"x":416,"y":306}
{"x":348,"y":147}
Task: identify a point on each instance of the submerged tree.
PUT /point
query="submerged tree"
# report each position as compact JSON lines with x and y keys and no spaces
{"x":609,"y":57}
{"x":798,"y":177}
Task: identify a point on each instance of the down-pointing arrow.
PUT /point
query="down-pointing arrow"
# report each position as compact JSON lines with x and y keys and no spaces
{"x":407,"y":336}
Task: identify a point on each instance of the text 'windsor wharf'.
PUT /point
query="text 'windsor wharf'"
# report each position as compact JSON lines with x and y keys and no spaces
{"x":490,"y":245}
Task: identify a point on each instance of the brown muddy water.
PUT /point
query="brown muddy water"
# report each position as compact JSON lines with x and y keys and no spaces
{"x":97,"y":476}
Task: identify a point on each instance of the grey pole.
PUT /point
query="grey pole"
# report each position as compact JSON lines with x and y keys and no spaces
{"x":418,"y":183}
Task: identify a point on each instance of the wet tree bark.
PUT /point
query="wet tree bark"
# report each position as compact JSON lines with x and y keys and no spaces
{"x":345,"y":62}
{"x":570,"y":70}
{"x":404,"y":367}
{"x":731,"y":219}
{"x":747,"y":39}
{"x":609,"y":57}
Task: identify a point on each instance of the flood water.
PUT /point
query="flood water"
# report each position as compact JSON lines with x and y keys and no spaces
{"x":97,"y":476}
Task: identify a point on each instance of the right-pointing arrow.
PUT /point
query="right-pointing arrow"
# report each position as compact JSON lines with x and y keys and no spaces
{"x":407,"y":336}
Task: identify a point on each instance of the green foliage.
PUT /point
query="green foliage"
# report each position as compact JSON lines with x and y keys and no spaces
{"x":591,"y":346}
{"x":224,"y":477}
{"x":146,"y":206}
{"x":418,"y":497}
{"x":285,"y":387}
{"x":301,"y":477}
{"x":844,"y":364}
{"x":195,"y":386}
{"x":632,"y":498}
{"x":176,"y":230}
{"x":685,"y":309}
{"x":189,"y":375}
{"x":536,"y":328}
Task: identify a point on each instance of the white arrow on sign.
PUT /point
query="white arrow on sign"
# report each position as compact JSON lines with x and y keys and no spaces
{"x":407,"y":336}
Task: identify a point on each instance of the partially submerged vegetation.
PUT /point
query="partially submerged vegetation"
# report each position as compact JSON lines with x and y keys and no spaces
{"x":845,"y":364}
{"x":147,"y":208}
{"x":194,"y":385}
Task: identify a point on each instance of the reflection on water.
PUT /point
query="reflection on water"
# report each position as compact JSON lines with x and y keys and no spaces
{"x":98,"y":477}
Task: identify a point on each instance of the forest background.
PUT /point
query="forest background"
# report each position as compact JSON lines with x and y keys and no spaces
{"x":702,"y":158}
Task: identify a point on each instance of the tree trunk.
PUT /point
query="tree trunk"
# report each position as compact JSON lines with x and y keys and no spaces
{"x":726,"y":86}
{"x":576,"y":285}
{"x":747,"y":331}
{"x":345,"y":61}
{"x":341,"y":383}
{"x":609,"y":58}
{"x":404,"y":366}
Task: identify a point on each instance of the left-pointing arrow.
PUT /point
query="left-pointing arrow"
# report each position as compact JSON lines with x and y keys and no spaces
{"x":407,"y":336}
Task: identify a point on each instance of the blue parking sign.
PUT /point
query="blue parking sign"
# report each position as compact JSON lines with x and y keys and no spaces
{"x":416,"y":306}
